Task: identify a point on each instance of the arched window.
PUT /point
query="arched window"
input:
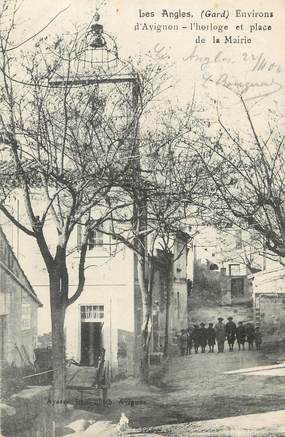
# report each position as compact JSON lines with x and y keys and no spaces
{"x":214,"y":267}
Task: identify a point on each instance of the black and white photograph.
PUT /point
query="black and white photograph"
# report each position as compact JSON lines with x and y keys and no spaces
{"x":142,"y":218}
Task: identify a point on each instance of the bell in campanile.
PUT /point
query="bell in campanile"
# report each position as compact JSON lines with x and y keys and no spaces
{"x":98,"y":41}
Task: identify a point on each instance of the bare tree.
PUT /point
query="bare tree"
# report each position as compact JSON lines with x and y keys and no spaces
{"x":81,"y":146}
{"x":239,"y":246}
{"x":71,"y":146}
{"x":245,"y":165}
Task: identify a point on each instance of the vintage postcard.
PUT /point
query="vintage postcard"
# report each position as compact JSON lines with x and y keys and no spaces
{"x":142,"y":218}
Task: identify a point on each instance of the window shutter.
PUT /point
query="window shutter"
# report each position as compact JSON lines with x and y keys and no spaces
{"x":99,"y":239}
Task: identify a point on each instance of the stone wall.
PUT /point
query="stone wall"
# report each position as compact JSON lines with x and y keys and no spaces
{"x":269,"y":313}
{"x":209,"y":314}
{"x":28,"y":414}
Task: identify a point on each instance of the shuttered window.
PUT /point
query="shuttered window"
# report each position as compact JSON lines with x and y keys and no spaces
{"x":96,"y":238}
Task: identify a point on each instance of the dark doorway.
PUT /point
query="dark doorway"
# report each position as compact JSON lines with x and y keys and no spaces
{"x":237,"y":287}
{"x":91,"y":343}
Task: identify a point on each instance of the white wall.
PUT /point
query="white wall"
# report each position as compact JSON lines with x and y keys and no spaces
{"x":118,"y":314}
{"x":269,"y":281}
{"x":109,"y":282}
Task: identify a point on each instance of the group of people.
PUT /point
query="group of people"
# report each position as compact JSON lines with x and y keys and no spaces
{"x":199,"y":336}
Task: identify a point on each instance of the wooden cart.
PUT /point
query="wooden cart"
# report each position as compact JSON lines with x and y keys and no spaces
{"x":100,"y":384}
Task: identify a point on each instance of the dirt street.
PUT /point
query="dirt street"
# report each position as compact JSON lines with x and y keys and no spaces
{"x":194,"y":388}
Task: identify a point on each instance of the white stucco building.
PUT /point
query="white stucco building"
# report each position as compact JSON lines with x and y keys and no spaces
{"x":108,"y":314}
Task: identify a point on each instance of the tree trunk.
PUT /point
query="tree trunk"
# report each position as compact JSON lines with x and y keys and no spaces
{"x":58,"y":345}
{"x":166,"y":328}
{"x":169,"y":288}
{"x":146,"y":318}
{"x":146,"y":336}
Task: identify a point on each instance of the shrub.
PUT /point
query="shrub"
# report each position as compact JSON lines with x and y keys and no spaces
{"x":12,"y":380}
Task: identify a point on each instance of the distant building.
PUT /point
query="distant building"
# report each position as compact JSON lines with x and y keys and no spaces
{"x":18,"y":309}
{"x":231,"y":277}
{"x":219,"y":270}
{"x":223,"y":261}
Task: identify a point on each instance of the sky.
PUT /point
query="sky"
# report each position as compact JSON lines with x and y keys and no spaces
{"x":195,"y":63}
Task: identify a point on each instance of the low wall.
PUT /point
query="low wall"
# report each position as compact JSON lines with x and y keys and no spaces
{"x":209,"y":314}
{"x":28,"y":414}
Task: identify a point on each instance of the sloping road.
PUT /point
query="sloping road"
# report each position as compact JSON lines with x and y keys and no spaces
{"x":196,"y":389}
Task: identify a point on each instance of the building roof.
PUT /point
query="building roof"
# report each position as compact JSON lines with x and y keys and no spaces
{"x":278,"y":273}
{"x":28,"y":287}
{"x":269,"y":281}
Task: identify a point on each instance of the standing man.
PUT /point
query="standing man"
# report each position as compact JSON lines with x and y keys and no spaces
{"x":196,"y":338}
{"x":257,"y":338}
{"x":220,"y":334}
{"x":231,"y":333}
{"x":183,"y":342}
{"x":240,"y":335}
{"x":250,"y":335}
{"x":203,"y":337}
{"x":211,"y":337}
{"x":189,"y":341}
